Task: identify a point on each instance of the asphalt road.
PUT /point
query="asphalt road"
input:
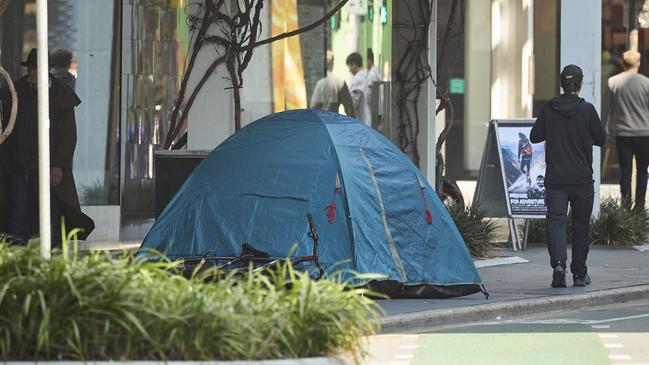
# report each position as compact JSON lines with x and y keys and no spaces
{"x":615,"y":334}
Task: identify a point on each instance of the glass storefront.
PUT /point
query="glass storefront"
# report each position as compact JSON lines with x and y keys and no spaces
{"x":299,"y":62}
{"x":500,"y":61}
{"x":94,"y":43}
{"x":129,"y":62}
{"x":625,"y":25}
{"x":155,"y":41}
{"x":128,"y":57}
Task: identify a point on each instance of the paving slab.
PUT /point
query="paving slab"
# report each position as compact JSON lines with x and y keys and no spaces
{"x":609,"y":268}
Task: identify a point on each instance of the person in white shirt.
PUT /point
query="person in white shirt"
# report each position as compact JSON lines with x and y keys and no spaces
{"x":358,"y":88}
{"x":332,"y":91}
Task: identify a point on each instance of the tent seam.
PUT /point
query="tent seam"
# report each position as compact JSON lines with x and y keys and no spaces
{"x":339,"y":172}
{"x":388,"y":234}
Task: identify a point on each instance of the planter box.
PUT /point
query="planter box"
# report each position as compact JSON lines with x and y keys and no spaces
{"x":171,"y":169}
{"x":310,"y":361}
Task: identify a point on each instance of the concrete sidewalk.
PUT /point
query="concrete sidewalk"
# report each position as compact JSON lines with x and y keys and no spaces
{"x":618,"y":274}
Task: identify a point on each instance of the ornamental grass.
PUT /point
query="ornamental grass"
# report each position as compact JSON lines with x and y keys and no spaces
{"x":98,"y":306}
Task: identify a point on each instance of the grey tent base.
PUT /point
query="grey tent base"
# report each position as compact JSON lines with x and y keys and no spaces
{"x":396,"y":290}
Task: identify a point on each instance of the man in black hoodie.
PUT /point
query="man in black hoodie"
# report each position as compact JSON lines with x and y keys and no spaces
{"x":570,"y":128}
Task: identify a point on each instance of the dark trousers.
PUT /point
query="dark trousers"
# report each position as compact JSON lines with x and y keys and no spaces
{"x":580,"y":197}
{"x":627,"y":149}
{"x":23,"y":221}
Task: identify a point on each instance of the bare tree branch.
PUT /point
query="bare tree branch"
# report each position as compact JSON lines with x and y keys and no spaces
{"x":194,"y":94}
{"x":309,"y":27}
{"x":196,"y":48}
{"x":443,"y":89}
{"x":238,"y":39}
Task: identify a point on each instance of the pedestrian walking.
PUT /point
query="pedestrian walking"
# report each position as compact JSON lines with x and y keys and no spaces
{"x":570,"y":127}
{"x":626,"y":108}
{"x":358,"y":88}
{"x":331,"y":91}
{"x":20,"y":158}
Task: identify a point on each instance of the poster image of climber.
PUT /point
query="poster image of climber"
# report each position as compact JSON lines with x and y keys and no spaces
{"x":523,"y":169}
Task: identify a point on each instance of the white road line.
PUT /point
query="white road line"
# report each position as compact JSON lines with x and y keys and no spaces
{"x":600,"y":326}
{"x":552,"y":321}
{"x":614,"y":345}
{"x":619,"y":357}
{"x":404,"y":357}
{"x":581,"y":321}
{"x":607,"y":335}
{"x":620,"y":318}
{"x":408,"y":347}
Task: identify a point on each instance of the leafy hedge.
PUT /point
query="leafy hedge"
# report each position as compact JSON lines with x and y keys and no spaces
{"x":619,"y":225}
{"x":616,"y":225}
{"x":98,"y":307}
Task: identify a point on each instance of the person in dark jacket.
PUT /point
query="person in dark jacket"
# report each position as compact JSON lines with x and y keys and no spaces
{"x":20,"y":159}
{"x":570,"y":128}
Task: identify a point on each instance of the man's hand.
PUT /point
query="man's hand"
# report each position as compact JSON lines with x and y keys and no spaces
{"x":55,"y":176}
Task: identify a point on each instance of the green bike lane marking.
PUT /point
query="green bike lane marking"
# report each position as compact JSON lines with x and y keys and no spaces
{"x":504,"y":344}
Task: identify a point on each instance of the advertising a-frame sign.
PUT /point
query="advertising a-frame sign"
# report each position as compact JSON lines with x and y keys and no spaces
{"x":511,"y":181}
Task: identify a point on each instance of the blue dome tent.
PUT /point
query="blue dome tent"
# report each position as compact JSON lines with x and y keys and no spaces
{"x":374,"y":211}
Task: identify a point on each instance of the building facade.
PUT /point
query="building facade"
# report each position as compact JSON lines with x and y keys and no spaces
{"x":493,"y":58}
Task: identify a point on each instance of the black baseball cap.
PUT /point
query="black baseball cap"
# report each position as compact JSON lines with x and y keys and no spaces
{"x":571,"y":74}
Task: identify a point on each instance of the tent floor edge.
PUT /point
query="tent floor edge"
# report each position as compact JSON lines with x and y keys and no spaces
{"x":393,"y":289}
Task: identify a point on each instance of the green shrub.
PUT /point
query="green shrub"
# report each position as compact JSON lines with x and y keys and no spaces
{"x":477,"y":231}
{"x":101,"y":307}
{"x":536,"y":233}
{"x":618,"y":224}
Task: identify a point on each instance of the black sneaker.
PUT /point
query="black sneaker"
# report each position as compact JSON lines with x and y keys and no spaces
{"x":559,"y":277}
{"x":581,"y":280}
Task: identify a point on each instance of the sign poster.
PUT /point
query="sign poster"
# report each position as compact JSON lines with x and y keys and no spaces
{"x":523,"y":169}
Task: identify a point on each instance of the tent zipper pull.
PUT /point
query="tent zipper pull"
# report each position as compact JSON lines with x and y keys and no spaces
{"x":422,"y":187}
{"x":331,"y":208}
